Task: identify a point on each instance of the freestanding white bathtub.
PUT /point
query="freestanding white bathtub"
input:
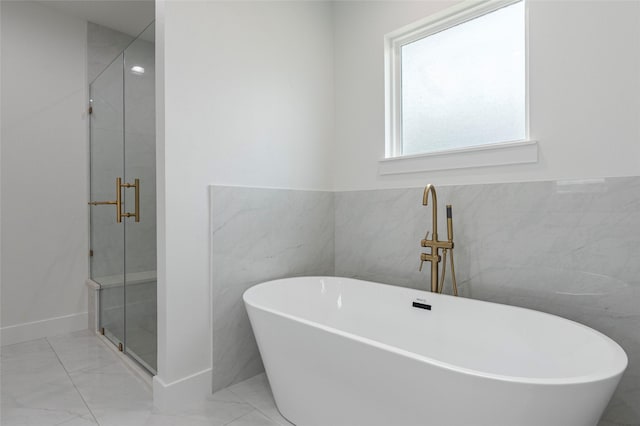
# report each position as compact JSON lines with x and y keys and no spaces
{"x":344,"y":352}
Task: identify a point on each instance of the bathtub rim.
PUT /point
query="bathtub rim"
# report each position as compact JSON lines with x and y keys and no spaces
{"x":590,"y":378}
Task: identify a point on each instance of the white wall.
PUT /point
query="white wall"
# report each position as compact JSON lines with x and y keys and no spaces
{"x":584,"y":93}
{"x":248,"y":101}
{"x":44,"y":172}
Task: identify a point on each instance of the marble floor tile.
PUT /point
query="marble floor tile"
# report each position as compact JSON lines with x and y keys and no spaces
{"x":82,"y":350}
{"x":114,"y":394}
{"x":166,"y":420}
{"x":25,"y":349}
{"x":226,"y":395}
{"x":44,"y":417}
{"x":215,"y":411}
{"x":254,"y":418}
{"x":35,"y":389}
{"x":77,"y":380}
{"x":256,"y":391}
{"x":118,"y":417}
{"x":25,"y":365}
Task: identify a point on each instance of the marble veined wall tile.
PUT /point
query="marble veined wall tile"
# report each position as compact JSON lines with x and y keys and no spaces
{"x":570,"y":248}
{"x":259,"y":235}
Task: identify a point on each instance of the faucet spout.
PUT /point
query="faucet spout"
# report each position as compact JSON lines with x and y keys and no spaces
{"x":434,"y":209}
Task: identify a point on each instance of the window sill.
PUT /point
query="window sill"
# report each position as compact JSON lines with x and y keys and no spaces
{"x":498,"y":154}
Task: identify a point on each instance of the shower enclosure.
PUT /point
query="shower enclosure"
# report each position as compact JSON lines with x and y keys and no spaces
{"x":123,"y":199}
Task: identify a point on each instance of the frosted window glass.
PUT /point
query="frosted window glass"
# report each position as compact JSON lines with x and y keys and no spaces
{"x":465,"y":86}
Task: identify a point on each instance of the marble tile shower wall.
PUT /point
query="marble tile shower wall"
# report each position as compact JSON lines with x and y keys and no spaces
{"x":259,"y":235}
{"x":568,"y":248}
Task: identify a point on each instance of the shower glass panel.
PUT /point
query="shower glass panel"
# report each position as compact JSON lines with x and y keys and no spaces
{"x":107,"y":163}
{"x":123,"y":260}
{"x":140,"y":163}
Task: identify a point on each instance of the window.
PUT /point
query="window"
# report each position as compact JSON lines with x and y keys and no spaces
{"x":458,"y":82}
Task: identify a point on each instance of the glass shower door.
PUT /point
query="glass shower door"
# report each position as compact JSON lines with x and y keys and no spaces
{"x":107,"y":164}
{"x":123,"y":194}
{"x":140,"y":163}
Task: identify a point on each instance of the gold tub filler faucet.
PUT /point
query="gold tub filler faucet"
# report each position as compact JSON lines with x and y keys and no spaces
{"x":437,"y":281}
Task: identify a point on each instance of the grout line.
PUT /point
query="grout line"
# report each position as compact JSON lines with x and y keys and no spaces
{"x":244,"y":400}
{"x":72,"y":382}
{"x":241,"y":416}
{"x":73,"y":419}
{"x":277,"y":421}
{"x":267,"y":417}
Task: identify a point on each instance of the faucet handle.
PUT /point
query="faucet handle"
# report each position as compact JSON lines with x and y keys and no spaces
{"x":423,"y":242}
{"x":423,"y":258}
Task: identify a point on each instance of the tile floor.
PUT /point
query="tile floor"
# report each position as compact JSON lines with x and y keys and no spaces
{"x":76,"y":380}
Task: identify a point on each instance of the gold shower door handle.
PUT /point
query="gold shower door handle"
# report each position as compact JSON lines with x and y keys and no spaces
{"x":135,"y":185}
{"x":118,"y":201}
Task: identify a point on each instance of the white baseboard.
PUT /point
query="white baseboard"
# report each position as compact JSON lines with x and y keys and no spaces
{"x":43,"y":328}
{"x":181,"y":393}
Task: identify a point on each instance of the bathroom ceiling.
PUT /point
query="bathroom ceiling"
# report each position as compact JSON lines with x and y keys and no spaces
{"x":127,"y":16}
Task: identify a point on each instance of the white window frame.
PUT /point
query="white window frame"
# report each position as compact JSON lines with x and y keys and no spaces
{"x":485,"y":155}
